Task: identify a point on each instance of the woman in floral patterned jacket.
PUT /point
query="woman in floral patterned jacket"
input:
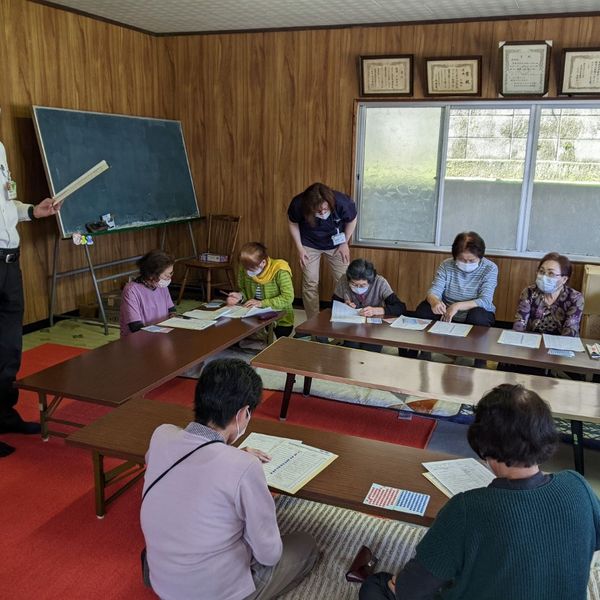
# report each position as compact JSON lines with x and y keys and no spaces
{"x":550,"y":305}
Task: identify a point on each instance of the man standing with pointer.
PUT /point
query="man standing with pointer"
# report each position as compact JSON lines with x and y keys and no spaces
{"x":11,"y":298}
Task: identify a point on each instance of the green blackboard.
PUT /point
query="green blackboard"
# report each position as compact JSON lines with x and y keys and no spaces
{"x":148,"y":182}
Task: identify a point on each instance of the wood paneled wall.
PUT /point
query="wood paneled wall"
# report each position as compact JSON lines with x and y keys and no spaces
{"x":264,"y":115}
{"x":55,"y":58}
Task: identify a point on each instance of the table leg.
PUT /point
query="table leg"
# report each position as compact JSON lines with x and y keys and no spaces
{"x":287,"y":394}
{"x":577,"y":441}
{"x":307,"y":384}
{"x":43,"y":403}
{"x":99,"y":483}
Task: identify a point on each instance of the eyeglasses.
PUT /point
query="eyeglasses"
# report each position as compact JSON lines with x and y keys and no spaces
{"x":549,"y":273}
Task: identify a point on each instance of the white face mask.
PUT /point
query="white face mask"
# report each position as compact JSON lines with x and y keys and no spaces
{"x":546,"y":284}
{"x":467,"y":267}
{"x":257,"y":271}
{"x":324,"y":215}
{"x":359,"y":290}
{"x":164,"y":283}
{"x":243,"y":431}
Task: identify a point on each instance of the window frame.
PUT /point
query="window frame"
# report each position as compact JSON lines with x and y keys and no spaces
{"x":525,"y":208}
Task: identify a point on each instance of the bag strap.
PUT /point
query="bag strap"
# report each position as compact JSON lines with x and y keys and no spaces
{"x":176,"y":463}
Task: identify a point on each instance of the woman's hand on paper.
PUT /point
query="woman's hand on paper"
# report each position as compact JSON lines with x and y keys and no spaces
{"x":372,"y":311}
{"x":253,"y":303}
{"x":262,"y":456}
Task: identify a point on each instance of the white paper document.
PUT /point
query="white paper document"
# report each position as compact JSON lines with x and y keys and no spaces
{"x":179,"y":323}
{"x":293,"y":464}
{"x":342,"y":313}
{"x":264,"y":442}
{"x":454,"y":329}
{"x":156,"y":329}
{"x":404,"y":322}
{"x":241,"y":312}
{"x":460,"y":475}
{"x":208,"y":315}
{"x":563,"y":342}
{"x":518,"y":338}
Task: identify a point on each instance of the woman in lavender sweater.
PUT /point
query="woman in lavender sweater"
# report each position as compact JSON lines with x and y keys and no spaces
{"x":550,"y":305}
{"x":147,"y":299}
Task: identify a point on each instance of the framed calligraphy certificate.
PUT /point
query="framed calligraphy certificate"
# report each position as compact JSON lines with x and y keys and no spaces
{"x":456,"y":76}
{"x":386,"y":75}
{"x":524,"y":68}
{"x":580,"y":71}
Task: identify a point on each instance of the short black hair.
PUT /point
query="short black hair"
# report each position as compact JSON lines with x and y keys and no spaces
{"x":153,"y":263}
{"x":225,"y":385}
{"x":513,"y":425}
{"x":468,"y":241}
{"x":361,"y":269}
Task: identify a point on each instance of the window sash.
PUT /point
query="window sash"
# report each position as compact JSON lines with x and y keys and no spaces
{"x":527,"y":187}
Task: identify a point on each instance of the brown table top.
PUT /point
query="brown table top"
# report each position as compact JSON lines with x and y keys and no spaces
{"x":135,"y":364}
{"x":125,"y":433}
{"x":577,"y":400}
{"x":482,"y":342}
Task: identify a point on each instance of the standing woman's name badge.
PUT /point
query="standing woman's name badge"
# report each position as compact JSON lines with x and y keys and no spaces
{"x":338,"y":238}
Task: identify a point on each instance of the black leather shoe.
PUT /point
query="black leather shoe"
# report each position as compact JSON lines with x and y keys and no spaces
{"x":5,"y":450}
{"x":13,"y":423}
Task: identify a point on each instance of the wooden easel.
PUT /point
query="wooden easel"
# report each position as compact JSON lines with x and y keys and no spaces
{"x":91,"y":268}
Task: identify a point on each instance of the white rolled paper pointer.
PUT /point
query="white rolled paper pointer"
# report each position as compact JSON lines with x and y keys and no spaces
{"x":80,"y":182}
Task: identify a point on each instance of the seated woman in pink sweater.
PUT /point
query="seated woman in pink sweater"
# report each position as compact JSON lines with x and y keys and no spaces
{"x":210,"y":524}
{"x":147,"y":299}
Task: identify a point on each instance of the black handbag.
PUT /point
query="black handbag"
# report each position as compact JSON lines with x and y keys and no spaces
{"x":362,"y":566}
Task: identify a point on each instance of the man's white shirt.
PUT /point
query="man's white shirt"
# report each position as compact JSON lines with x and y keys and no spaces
{"x":11,"y":211}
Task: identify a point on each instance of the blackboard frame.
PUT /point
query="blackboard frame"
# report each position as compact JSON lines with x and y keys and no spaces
{"x":51,"y":167}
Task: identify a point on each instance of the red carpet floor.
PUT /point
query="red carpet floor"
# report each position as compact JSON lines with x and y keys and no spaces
{"x":328,"y":415}
{"x":53,"y":547}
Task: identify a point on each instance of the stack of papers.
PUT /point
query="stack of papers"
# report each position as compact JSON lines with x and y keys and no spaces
{"x":563,"y":342}
{"x":293,"y":464}
{"x":342,"y":313}
{"x":455,"y":329}
{"x":460,"y":475}
{"x":404,"y":322}
{"x":241,"y":312}
{"x":396,"y":499}
{"x":208,"y":315}
{"x":516,"y":338}
{"x":179,"y":323}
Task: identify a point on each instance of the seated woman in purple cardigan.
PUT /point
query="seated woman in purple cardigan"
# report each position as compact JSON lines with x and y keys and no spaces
{"x":147,"y":300}
{"x":550,"y":305}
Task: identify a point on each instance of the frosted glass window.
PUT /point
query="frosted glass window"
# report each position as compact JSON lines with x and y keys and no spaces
{"x":565,"y":207}
{"x":484,"y":174}
{"x":399,"y":185}
{"x":524,"y":175}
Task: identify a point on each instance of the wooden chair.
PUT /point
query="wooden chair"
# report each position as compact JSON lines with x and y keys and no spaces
{"x":221,"y":239}
{"x":590,"y":288}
